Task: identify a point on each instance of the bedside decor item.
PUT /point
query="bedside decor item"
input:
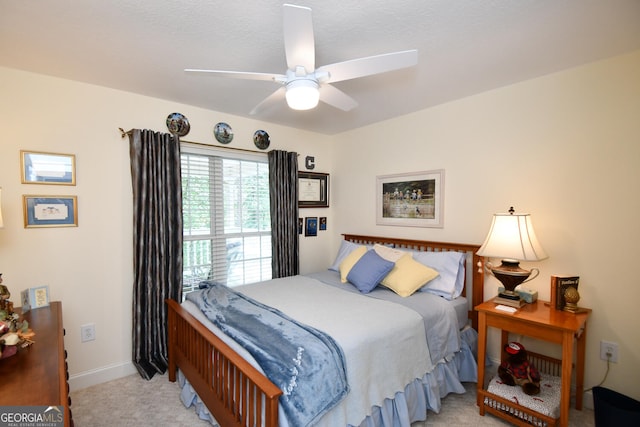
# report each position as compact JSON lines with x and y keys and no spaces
{"x":261,"y":139}
{"x":411,"y":199}
{"x":47,"y":168}
{"x":516,"y":369}
{"x":559,"y":286}
{"x":50,"y":211}
{"x":178,"y":124}
{"x":223,"y":133}
{"x":511,"y":237}
{"x":313,"y":190}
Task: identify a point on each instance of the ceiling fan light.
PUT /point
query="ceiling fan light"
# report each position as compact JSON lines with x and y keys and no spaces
{"x":302,"y":94}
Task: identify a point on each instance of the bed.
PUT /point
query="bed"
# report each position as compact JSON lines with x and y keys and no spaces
{"x":385,"y":384}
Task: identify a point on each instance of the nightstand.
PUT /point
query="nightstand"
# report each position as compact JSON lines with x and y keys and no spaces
{"x":540,"y":321}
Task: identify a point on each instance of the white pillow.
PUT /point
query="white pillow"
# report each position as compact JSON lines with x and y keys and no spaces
{"x":346,"y":247}
{"x":390,"y":254}
{"x":451,"y":266}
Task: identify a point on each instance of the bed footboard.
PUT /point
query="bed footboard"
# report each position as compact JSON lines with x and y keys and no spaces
{"x":235,"y":392}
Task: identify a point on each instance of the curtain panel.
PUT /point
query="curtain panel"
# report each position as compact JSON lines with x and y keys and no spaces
{"x":283,"y":196}
{"x":157,"y":242}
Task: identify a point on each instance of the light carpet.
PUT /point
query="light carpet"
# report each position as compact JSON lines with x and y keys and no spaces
{"x":133,"y":401}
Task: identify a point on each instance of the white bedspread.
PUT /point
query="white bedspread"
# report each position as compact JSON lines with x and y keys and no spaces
{"x":375,"y":373}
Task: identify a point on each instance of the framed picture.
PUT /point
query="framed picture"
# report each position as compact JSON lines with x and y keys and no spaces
{"x":47,"y":168}
{"x":50,"y":211}
{"x":323,"y":223}
{"x":33,"y":298}
{"x":311,"y":227}
{"x":300,"y":225}
{"x":411,"y":199}
{"x":313,"y":190}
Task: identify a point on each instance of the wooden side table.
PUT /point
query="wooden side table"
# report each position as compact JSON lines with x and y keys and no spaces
{"x":540,"y":321}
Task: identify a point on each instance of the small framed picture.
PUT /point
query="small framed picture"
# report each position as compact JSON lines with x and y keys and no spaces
{"x":323,"y":223}
{"x":47,"y":168}
{"x":300,"y":225}
{"x":311,"y":228}
{"x":33,"y":298}
{"x":50,"y":211}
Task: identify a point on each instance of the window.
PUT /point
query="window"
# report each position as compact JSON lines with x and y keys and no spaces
{"x":227,"y":226}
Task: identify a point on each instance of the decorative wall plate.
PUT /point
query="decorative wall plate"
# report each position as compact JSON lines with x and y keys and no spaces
{"x":223,"y":133}
{"x":178,"y":124}
{"x":261,"y":139}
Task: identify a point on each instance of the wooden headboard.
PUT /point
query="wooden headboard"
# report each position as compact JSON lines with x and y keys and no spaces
{"x":474,"y":264}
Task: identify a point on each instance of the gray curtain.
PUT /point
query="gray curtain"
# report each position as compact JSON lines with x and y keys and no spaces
{"x":157,"y":243}
{"x":283,"y":193}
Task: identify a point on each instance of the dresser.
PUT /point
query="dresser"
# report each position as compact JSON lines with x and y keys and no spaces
{"x":37,"y":375}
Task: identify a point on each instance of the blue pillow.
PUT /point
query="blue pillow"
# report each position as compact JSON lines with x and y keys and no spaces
{"x":370,"y":269}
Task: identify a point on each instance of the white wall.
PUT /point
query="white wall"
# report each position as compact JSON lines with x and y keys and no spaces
{"x":565,"y":148}
{"x":89,"y":268}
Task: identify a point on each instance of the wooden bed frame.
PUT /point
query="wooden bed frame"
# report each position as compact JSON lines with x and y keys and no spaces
{"x":235,"y":392}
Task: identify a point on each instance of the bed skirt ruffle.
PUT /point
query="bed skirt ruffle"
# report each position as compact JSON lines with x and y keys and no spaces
{"x":408,"y":406}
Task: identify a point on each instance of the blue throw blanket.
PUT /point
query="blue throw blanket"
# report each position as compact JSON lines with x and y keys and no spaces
{"x":307,"y":364}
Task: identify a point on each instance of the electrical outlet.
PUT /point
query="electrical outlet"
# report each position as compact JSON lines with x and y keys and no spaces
{"x":609,"y":351}
{"x":88,"y":332}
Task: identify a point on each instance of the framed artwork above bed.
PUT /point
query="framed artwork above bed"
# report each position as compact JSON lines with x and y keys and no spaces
{"x":411,"y":199}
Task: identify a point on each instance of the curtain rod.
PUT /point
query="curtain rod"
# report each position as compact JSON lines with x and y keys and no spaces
{"x":124,"y":133}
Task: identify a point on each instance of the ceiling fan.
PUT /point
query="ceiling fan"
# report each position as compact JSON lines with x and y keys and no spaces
{"x":304,"y":85}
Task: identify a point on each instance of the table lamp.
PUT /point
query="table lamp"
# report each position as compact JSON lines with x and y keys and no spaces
{"x":511,"y":238}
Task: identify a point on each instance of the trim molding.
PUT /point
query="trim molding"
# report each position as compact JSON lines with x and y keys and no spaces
{"x":101,"y":375}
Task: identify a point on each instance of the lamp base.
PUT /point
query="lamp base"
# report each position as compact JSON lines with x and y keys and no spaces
{"x":517,"y":303}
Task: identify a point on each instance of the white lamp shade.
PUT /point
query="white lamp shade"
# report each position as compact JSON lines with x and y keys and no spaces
{"x":302,"y":94}
{"x":511,"y":236}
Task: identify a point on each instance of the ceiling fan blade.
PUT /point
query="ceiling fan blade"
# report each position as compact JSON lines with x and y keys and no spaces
{"x":370,"y":65}
{"x":270,"y":100}
{"x":239,"y":74}
{"x":299,"y":44}
{"x":337,"y":98}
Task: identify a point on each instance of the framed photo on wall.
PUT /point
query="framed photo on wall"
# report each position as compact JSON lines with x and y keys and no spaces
{"x":313,"y":190}
{"x":311,"y":227}
{"x":47,"y":168}
{"x":411,"y":199}
{"x":50,"y":211}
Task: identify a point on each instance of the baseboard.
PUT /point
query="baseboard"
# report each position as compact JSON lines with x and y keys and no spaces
{"x":587,"y":400}
{"x":100,"y":375}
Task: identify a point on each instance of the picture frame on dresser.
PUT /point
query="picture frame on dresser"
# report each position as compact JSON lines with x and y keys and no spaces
{"x":37,"y":167}
{"x":413,"y":199}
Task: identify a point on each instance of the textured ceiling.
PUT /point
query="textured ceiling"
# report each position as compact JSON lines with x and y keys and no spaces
{"x":464,"y":47}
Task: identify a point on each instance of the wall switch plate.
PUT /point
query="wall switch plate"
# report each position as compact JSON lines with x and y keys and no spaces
{"x":88,"y":332}
{"x":609,"y":351}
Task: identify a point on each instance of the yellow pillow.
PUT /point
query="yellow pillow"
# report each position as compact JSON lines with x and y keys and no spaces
{"x":408,"y":276}
{"x":349,"y":261}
